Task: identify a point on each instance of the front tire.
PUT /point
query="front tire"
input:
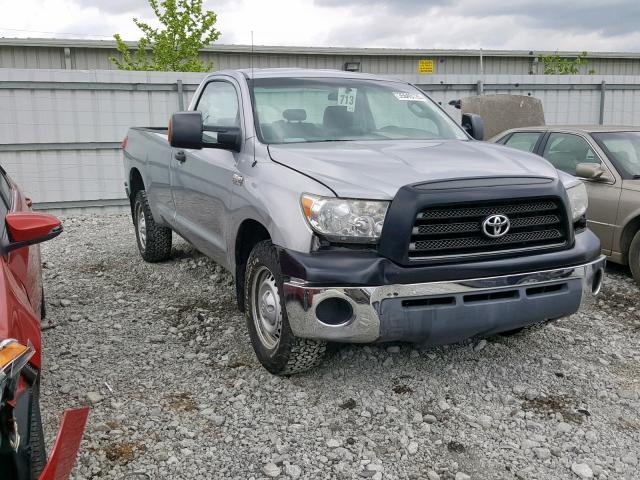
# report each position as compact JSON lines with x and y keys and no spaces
{"x":154,"y":241}
{"x":43,"y":306}
{"x":277,"y":349}
{"x":634,"y":257}
{"x":30,"y":458}
{"x":37,"y":448}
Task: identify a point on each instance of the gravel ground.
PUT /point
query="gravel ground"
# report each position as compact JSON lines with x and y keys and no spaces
{"x":163,"y":357}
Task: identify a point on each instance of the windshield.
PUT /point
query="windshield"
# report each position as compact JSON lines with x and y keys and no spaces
{"x":623,"y":149}
{"x":293,"y":110}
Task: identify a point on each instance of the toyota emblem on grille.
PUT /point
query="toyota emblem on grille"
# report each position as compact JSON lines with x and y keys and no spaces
{"x":496,"y":226}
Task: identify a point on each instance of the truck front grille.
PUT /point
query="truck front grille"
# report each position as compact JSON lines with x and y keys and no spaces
{"x":455,"y":230}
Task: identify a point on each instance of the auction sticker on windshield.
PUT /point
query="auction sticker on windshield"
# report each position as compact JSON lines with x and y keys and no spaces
{"x":347,"y":98}
{"x":409,"y":96}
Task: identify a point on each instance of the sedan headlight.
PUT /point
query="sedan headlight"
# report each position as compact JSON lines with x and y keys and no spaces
{"x":345,"y":220}
{"x":578,"y":200}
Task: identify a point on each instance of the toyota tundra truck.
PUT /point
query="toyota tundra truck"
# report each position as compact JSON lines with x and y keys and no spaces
{"x":352,"y":208}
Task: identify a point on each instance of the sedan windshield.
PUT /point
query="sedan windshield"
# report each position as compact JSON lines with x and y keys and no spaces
{"x":623,"y":149}
{"x":294,"y":110}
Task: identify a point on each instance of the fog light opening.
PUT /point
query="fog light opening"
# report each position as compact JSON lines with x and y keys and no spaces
{"x":334,"y":311}
{"x":596,"y":284}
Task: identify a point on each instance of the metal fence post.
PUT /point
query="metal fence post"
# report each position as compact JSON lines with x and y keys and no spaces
{"x":67,"y":58}
{"x":479,"y":88}
{"x":603,"y":89}
{"x":180,"y":96}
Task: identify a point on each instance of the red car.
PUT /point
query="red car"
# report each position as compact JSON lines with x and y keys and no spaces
{"x":22,"y":445}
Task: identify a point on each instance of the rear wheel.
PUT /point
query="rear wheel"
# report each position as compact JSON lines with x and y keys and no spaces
{"x":277,"y":349}
{"x":634,"y":257}
{"x":154,"y":241}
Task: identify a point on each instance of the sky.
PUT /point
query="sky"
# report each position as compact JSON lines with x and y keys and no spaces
{"x":605,"y":25}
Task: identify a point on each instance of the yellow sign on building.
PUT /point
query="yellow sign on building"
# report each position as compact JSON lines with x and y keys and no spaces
{"x":425,"y":65}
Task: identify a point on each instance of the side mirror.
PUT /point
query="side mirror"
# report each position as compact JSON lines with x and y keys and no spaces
{"x":29,"y":228}
{"x":592,"y":171}
{"x":228,"y":138}
{"x":473,"y":125}
{"x":186,"y":130}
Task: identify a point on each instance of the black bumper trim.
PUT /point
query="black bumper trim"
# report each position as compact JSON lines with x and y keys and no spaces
{"x":357,"y":268}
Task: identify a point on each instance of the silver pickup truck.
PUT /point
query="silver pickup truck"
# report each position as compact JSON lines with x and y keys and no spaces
{"x":351,"y":208}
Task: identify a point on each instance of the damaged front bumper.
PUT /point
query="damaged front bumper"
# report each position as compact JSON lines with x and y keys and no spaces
{"x":439,"y":312}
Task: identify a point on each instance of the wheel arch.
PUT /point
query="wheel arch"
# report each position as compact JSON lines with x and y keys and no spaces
{"x":629,"y":231}
{"x":136,"y":183}
{"x":250,"y":233}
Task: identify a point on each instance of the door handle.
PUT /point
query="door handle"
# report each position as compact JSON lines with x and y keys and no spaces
{"x":180,"y":156}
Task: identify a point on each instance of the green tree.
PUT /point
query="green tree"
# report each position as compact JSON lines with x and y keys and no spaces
{"x":557,"y":65}
{"x":185,"y":30}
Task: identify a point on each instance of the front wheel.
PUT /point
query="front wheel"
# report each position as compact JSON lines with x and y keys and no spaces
{"x":37,"y":449}
{"x":634,"y":257}
{"x":277,"y":349}
{"x":43,"y":306}
{"x":154,"y":241}
{"x":24,"y":455}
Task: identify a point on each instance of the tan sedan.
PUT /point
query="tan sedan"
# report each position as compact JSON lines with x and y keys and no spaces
{"x":607,"y":158}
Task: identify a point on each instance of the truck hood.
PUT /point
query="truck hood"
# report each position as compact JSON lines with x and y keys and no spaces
{"x":377,"y":169}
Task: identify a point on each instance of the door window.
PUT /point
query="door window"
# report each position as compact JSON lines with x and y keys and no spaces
{"x":566,"y":150}
{"x":525,"y":141}
{"x":623,"y":149}
{"x":219,"y":105}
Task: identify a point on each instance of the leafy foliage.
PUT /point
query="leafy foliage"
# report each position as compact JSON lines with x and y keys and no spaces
{"x":175,"y":46}
{"x":557,"y":65}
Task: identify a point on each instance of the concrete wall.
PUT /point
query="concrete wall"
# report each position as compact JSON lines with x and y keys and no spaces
{"x":60,"y":130}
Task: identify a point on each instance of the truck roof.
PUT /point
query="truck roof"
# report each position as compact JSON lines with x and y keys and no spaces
{"x":303,"y":72}
{"x":576,"y":128}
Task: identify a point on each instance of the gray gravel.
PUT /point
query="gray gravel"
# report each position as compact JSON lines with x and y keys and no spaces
{"x":162,"y":356}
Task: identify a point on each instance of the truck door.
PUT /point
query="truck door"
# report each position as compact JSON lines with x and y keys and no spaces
{"x":565,"y":151}
{"x":202,"y":179}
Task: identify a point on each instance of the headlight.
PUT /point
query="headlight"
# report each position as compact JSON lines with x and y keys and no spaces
{"x":578,"y":200}
{"x":345,"y":220}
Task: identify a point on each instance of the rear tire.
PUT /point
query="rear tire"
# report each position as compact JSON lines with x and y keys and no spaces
{"x":277,"y":349}
{"x":634,"y":257}
{"x":154,"y":241}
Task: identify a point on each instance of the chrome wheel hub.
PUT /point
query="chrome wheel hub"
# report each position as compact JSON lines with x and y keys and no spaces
{"x":142,"y":226}
{"x":267,"y":311}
